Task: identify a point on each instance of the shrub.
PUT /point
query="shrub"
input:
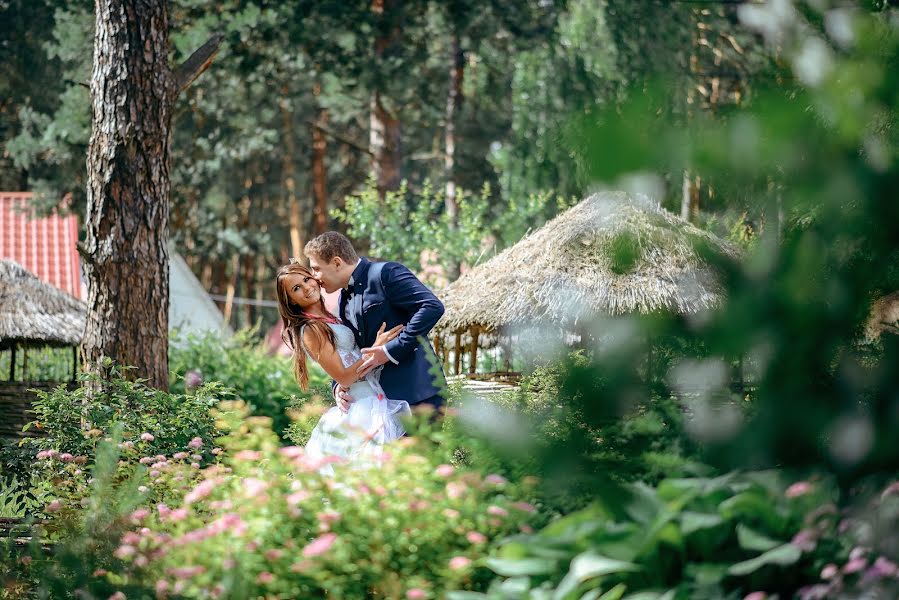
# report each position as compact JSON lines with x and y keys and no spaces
{"x":73,"y":421}
{"x":263,"y":381}
{"x":265,"y":522}
{"x":686,"y":538}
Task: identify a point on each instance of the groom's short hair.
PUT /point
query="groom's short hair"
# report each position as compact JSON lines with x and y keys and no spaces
{"x":330,"y":244}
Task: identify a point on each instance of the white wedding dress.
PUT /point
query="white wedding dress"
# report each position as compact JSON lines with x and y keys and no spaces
{"x":373,"y":418}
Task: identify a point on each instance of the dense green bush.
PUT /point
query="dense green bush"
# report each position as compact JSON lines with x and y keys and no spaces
{"x":265,"y":382}
{"x":699,"y":539}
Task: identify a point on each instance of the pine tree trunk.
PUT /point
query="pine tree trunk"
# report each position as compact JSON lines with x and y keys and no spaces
{"x":384,"y":143}
{"x":297,"y":240}
{"x":384,"y":126}
{"x":133,"y":90}
{"x":319,"y":169}
{"x":453,"y":103}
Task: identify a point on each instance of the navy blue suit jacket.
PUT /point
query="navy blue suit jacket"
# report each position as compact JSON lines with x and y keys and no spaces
{"x":388,"y":292}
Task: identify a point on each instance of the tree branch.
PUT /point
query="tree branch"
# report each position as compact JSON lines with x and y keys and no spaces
{"x":340,"y":138}
{"x":198,"y":62}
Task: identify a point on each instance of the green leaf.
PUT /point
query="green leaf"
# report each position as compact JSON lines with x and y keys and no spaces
{"x":753,"y":540}
{"x":692,"y":522}
{"x":525,"y":566}
{"x":784,"y":555}
{"x":615,"y":593}
{"x":588,"y":565}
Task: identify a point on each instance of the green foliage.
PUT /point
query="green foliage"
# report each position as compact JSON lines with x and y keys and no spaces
{"x":408,"y":227}
{"x":74,"y":421}
{"x":686,"y":538}
{"x":266,"y":521}
{"x":240,"y":364}
{"x":41,"y":364}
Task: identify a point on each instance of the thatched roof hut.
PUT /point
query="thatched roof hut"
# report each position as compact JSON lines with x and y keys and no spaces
{"x":611,"y":254}
{"x":34,"y":313}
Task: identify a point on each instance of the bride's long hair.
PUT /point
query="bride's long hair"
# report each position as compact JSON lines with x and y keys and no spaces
{"x":293,"y":317}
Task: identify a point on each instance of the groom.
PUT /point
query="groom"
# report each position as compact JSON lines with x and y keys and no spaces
{"x":372,"y":293}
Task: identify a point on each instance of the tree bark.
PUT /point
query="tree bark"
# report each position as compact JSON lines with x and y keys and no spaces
{"x":453,"y":104}
{"x":126,"y":261}
{"x":384,"y":126}
{"x":289,"y":177}
{"x":319,"y":169}
{"x":384,"y":141}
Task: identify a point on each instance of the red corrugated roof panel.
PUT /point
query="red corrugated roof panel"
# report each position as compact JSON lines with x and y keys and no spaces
{"x":45,"y":246}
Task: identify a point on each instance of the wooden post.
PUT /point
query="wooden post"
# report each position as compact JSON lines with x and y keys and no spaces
{"x":457,"y":358}
{"x":473,"y":367}
{"x":12,"y":363}
{"x":74,"y":363}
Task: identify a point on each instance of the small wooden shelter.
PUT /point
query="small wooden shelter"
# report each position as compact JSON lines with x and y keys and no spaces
{"x":33,"y":314}
{"x":611,"y":254}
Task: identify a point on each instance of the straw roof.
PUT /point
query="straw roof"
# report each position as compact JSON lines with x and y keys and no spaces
{"x":37,"y":313}
{"x":572,"y":267}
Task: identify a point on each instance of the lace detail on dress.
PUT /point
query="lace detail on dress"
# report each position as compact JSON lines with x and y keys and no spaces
{"x":372,"y":421}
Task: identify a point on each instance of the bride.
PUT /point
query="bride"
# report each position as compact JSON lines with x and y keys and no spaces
{"x":309,"y":329}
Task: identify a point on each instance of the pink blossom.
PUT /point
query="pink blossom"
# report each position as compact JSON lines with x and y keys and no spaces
{"x":855,"y":565}
{"x":52,"y":453}
{"x":450,"y":513}
{"x":141,"y":561}
{"x":42,"y":455}
{"x":497,"y":511}
{"x":455,"y":489}
{"x":805,"y":540}
{"x":525,"y":528}
{"x":126,"y":445}
{"x":66,"y":457}
{"x":444,"y":470}
{"x":162,"y":587}
{"x":799,"y":488}
{"x":248,"y":455}
{"x":99,"y":572}
{"x":884,"y":567}
{"x":203,"y":489}
{"x":418,"y":505}
{"x":292,"y":451}
{"x":80,"y":460}
{"x":139,"y":515}
{"x":755,"y":596}
{"x":274,"y":554}
{"x":194,"y":465}
{"x":524,"y":506}
{"x":54,"y":506}
{"x":155,"y":473}
{"x":77,"y":471}
{"x":124,"y":551}
{"x":857,"y":552}
{"x":495,"y":479}
{"x":416,"y":594}
{"x":186,"y":572}
{"x":163,"y":510}
{"x":180,"y":455}
{"x":131,"y":538}
{"x":146,"y":460}
{"x":297,"y":497}
{"x":299,"y":567}
{"x":179,"y":514}
{"x":475,"y":537}
{"x":893,"y":488}
{"x":319,"y":545}
{"x":147,"y":437}
{"x":217,"y":451}
{"x":328,"y":517}
{"x":457,"y":563}
{"x":118,"y":596}
{"x":195,"y":443}
{"x":253,"y":487}
{"x":197,"y":457}
{"x":829,"y":571}
{"x":265,"y":577}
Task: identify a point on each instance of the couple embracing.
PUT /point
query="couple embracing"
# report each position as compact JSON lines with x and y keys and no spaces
{"x":375,"y":349}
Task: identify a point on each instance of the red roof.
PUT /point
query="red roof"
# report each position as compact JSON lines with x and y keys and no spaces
{"x":45,"y":246}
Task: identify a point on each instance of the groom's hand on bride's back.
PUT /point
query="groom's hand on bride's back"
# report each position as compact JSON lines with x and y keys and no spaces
{"x":342,"y":398}
{"x":377,"y":355}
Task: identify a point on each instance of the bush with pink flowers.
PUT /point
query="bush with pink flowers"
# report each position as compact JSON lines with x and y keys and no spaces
{"x":265,"y":521}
